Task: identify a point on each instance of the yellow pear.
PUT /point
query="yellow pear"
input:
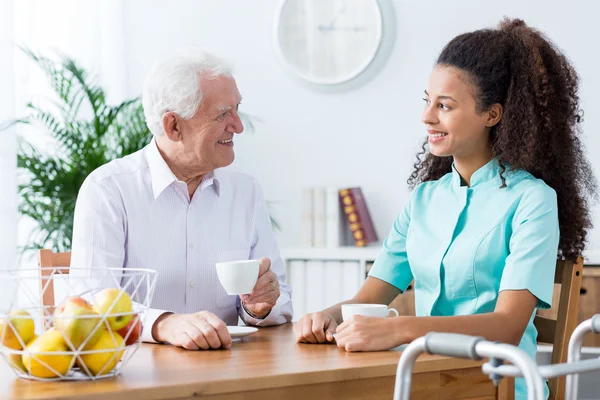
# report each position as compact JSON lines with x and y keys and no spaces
{"x":103,"y":363}
{"x":16,"y":359}
{"x":114,"y":301}
{"x":37,"y":362}
{"x":22,"y":326}
{"x":76,"y":319}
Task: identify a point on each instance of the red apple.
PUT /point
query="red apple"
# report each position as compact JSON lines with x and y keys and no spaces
{"x":76,"y":319}
{"x":135,"y":325}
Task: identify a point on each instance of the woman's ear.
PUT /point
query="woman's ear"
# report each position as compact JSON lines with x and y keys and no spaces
{"x":171,"y":126}
{"x":494,"y":115}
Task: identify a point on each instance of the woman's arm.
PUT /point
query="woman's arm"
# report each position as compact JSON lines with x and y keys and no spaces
{"x":505,"y":324}
{"x":373,"y":291}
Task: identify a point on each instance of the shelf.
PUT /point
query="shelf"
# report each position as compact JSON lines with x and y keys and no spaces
{"x":369,"y":253}
{"x":336,"y":253}
{"x":591,"y":257}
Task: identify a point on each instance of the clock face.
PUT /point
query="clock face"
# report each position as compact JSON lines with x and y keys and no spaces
{"x":329,"y":41}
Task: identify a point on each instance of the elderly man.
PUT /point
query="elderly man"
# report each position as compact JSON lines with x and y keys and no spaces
{"x":172,"y":207}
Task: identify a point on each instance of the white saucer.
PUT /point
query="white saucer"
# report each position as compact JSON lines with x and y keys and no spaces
{"x":237,"y":332}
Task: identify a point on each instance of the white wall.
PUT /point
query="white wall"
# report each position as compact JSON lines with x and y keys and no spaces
{"x":90,"y":31}
{"x":8,"y":190}
{"x":365,"y":137}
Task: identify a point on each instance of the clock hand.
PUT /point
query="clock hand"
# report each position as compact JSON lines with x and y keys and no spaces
{"x":323,"y":28}
{"x":337,"y":14}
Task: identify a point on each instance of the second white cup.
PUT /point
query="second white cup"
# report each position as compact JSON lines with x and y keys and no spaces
{"x":238,"y":277}
{"x":369,"y":310}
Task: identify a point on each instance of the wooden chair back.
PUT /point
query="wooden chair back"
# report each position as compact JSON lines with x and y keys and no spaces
{"x":47,"y":260}
{"x":558,"y":331}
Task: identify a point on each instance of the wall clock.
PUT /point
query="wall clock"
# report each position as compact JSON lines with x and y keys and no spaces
{"x":329,"y":42}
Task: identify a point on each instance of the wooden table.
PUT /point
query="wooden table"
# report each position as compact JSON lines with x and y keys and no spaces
{"x":268,"y":365}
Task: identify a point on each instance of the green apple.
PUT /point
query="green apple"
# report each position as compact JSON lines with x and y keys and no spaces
{"x":114,"y":301}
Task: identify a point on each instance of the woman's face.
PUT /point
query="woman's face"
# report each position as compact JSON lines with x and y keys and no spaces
{"x":453,"y":123}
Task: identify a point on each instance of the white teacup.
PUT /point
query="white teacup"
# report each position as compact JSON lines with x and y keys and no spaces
{"x":238,"y":277}
{"x":369,"y":310}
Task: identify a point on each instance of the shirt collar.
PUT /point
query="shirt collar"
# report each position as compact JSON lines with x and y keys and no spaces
{"x":486,"y":175}
{"x":211,"y":179}
{"x":162,"y":177}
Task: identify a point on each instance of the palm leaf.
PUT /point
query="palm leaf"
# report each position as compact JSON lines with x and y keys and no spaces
{"x":88,"y":133}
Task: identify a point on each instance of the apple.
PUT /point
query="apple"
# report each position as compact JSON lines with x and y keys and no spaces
{"x":114,"y":301}
{"x":76,"y":319}
{"x":22,"y":327}
{"x":38,"y":356}
{"x":103,"y":362}
{"x":135,"y":326}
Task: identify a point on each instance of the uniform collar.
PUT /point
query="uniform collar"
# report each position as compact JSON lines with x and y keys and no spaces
{"x":488,"y":174}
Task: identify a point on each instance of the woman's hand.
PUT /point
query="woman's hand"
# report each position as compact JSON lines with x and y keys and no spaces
{"x":317,"y":327}
{"x":362,"y":333}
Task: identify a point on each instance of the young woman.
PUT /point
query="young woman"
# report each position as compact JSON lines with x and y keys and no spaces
{"x":504,"y":173}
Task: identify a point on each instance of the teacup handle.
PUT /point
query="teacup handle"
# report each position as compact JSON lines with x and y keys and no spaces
{"x":394,"y":311}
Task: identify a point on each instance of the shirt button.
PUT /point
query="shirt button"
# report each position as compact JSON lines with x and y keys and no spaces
{"x":191,"y":245}
{"x":192,"y":283}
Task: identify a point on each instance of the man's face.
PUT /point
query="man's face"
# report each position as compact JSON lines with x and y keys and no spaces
{"x":207,"y":138}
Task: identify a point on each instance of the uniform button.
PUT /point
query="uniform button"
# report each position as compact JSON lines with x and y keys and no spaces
{"x":191,"y":245}
{"x":192,"y":283}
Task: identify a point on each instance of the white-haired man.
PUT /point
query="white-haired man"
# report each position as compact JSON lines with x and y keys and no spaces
{"x":173,"y":208}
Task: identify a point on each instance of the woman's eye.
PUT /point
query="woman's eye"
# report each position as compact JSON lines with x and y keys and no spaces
{"x":426,"y":101}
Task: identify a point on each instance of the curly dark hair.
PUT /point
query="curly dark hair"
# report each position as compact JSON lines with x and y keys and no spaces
{"x":519,"y":68}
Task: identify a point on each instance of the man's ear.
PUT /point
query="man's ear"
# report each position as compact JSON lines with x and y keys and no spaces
{"x":171,"y":126}
{"x":494,"y":115}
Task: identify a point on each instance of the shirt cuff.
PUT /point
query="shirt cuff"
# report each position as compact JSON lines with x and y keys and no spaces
{"x":270,"y":319}
{"x":151,"y":316}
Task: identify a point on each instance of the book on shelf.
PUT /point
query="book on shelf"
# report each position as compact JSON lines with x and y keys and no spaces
{"x":333,"y":217}
{"x":319,"y":207}
{"x":307,"y":222}
{"x":322,"y":221}
{"x":359,"y":219}
{"x":334,"y":222}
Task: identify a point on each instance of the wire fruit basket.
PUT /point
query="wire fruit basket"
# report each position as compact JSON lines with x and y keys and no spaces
{"x":72,"y":323}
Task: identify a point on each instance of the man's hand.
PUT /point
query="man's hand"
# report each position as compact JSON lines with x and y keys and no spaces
{"x":201,"y":330}
{"x":265,"y":293}
{"x":318,"y":327}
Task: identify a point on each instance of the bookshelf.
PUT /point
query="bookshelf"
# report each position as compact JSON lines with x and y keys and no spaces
{"x":320,"y":277}
{"x":365,"y":254}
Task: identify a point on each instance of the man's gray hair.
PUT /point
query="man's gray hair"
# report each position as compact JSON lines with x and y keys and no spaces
{"x":173,"y":85}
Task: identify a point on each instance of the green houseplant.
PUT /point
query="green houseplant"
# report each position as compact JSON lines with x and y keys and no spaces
{"x":88,"y":133}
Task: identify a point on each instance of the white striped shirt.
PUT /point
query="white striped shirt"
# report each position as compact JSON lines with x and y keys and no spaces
{"x":134,"y":213}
